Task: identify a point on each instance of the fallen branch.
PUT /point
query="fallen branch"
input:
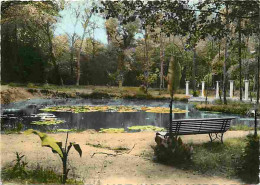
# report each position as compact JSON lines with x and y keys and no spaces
{"x":103,"y":153}
{"x":109,"y":154}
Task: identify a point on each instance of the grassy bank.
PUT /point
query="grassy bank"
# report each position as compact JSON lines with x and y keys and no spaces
{"x":232,"y":107}
{"x":97,"y":92}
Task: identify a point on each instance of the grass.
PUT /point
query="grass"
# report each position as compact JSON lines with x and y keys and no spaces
{"x":37,"y":175}
{"x":234,"y":108}
{"x":72,"y":91}
{"x":218,"y":159}
{"x":241,"y":127}
{"x":214,"y":158}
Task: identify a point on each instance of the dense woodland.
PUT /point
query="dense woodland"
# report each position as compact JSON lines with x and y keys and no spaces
{"x":206,"y":41}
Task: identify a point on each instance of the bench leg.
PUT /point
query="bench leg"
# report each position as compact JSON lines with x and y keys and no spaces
{"x":216,"y":137}
{"x":210,"y":137}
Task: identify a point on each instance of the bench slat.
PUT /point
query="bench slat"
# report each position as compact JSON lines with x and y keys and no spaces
{"x":199,"y":126}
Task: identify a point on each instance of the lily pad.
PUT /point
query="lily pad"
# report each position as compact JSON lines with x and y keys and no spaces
{"x":88,"y":108}
{"x":112,"y":130}
{"x":146,"y":128}
{"x":47,"y":122}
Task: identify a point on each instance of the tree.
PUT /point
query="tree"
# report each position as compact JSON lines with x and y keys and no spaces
{"x":122,"y":35}
{"x":85,"y":21}
{"x":35,"y":21}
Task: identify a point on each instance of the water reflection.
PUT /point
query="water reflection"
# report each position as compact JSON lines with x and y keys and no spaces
{"x":24,"y":112}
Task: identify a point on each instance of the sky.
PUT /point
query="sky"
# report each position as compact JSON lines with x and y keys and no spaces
{"x":66,"y":25}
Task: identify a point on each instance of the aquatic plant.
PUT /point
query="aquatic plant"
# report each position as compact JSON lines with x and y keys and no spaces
{"x":56,"y":147}
{"x":121,"y":108}
{"x":145,"y":128}
{"x":65,"y":130}
{"x":47,"y":122}
{"x":112,"y":130}
{"x":15,"y":130}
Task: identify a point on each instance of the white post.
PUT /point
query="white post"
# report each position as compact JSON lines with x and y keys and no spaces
{"x":202,"y":89}
{"x":187,"y":112}
{"x":231,"y":88}
{"x":187,"y":88}
{"x":246,"y":89}
{"x":217,"y":90}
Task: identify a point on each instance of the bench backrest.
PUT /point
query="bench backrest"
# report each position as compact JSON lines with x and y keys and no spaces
{"x":200,"y":126}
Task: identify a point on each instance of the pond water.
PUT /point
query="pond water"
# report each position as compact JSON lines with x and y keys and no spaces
{"x":26,"y":112}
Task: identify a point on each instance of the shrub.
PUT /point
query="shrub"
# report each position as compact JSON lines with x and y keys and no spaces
{"x":32,"y":90}
{"x":196,"y":93}
{"x":229,"y":108}
{"x":249,"y":170}
{"x":175,"y":152}
{"x":142,"y":88}
{"x":31,"y":85}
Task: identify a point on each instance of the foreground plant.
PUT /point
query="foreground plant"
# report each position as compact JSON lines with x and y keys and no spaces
{"x":56,"y":147}
{"x":249,"y":169}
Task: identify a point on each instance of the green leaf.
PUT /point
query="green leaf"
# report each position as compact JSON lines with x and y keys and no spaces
{"x":77,"y":148}
{"x":47,"y":141}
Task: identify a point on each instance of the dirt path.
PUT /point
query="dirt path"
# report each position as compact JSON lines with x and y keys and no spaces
{"x":132,"y":168}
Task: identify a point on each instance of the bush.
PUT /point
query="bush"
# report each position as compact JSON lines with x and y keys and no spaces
{"x":229,"y":108}
{"x":196,"y":93}
{"x":142,"y":88}
{"x":176,"y":153}
{"x":31,"y":85}
{"x":249,"y":170}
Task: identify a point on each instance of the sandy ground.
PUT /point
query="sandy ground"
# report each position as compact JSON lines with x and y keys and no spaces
{"x":135,"y":167}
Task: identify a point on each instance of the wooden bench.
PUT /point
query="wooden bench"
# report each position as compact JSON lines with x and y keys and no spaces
{"x":215,"y":127}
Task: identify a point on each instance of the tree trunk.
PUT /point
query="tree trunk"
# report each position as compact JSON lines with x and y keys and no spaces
{"x":170,"y":118}
{"x":120,"y":68}
{"x":78,"y":68}
{"x":194,"y":70}
{"x":225,"y":61}
{"x":161,"y":61}
{"x":78,"y":57}
{"x":53,"y":59}
{"x":146,"y":73}
{"x":72,"y":54}
{"x":239,"y":59}
{"x":258,"y":62}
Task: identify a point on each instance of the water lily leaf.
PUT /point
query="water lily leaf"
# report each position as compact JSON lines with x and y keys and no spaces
{"x":48,"y":122}
{"x":87,"y":108}
{"x":145,"y":128}
{"x":46,"y":141}
{"x":112,"y":130}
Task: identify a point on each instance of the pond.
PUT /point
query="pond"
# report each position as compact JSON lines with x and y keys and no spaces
{"x":27,"y":112}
